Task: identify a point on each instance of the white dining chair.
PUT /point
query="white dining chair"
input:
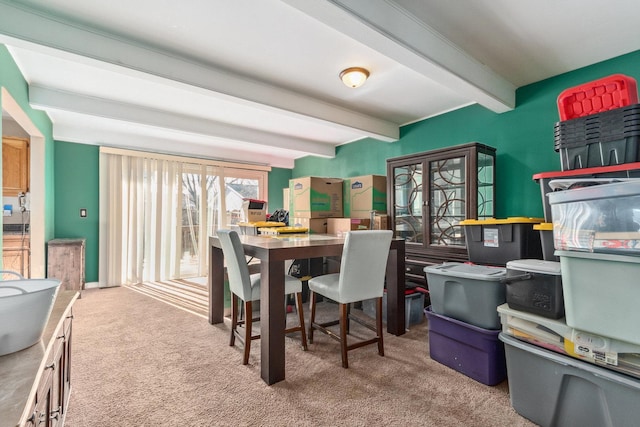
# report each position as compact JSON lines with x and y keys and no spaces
{"x":246,"y":287}
{"x":361,"y":277}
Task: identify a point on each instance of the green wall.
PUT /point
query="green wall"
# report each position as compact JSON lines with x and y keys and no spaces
{"x":278,"y":179}
{"x":12,"y":80}
{"x":523,"y":138}
{"x":77,"y":183}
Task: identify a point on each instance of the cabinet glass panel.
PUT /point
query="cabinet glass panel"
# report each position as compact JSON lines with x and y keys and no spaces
{"x":408,"y":202}
{"x":447,"y":201}
{"x":486,"y":173}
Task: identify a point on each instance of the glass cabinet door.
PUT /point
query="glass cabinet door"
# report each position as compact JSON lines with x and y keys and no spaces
{"x":486,"y":175}
{"x":447,"y":201}
{"x":431,"y":192}
{"x":407,"y":206}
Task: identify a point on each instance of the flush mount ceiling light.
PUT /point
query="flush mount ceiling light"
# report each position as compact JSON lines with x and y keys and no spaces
{"x":354,"y":76}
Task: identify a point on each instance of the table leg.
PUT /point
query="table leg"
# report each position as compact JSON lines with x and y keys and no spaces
{"x":395,"y":291}
{"x":272,"y":321}
{"x":216,"y":285}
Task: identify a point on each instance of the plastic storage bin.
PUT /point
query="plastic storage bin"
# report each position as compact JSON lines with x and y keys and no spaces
{"x":535,"y":286}
{"x":496,"y":241}
{"x":604,"y":94}
{"x":587,"y":154}
{"x":413,"y":306}
{"x":604,"y":139}
{"x":546,"y":239}
{"x":252,"y":228}
{"x":601,"y":293}
{"x":473,"y":351}
{"x":551,"y":389}
{"x":555,"y":335}
{"x":599,"y":218}
{"x":626,"y":170}
{"x":467,"y":292}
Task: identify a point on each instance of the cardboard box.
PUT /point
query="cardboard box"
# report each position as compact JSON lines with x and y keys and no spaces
{"x":313,"y":197}
{"x":381,"y":222}
{"x":339,"y":226}
{"x":363,"y":194}
{"x":285,"y":198}
{"x":254,"y":210}
{"x":315,"y":225}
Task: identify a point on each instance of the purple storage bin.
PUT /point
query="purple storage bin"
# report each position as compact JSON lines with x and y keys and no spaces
{"x":470,"y":350}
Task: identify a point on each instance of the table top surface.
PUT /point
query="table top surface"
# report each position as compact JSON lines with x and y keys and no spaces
{"x":287,"y":240}
{"x":291,"y":240}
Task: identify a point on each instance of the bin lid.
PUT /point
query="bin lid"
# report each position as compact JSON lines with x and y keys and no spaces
{"x":575,"y":183}
{"x":544,"y":226}
{"x":535,"y":266}
{"x":467,"y":271}
{"x":587,"y":172}
{"x":283,"y":230}
{"x":510,"y":220}
{"x":625,"y":188}
{"x":262,"y":224}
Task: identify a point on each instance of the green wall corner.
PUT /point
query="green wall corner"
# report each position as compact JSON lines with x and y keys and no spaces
{"x":77,"y":183}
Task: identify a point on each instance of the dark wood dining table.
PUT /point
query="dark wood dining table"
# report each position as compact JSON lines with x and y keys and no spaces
{"x":273,"y":251}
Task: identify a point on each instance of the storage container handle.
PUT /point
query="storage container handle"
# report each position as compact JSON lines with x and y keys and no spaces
{"x":510,"y":280}
{"x":22,"y":291}
{"x":20,"y":276}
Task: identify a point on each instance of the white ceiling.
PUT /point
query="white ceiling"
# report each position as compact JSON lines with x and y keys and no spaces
{"x":257,"y":80}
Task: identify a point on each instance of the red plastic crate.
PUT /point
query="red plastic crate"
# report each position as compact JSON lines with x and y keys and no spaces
{"x":605,"y":94}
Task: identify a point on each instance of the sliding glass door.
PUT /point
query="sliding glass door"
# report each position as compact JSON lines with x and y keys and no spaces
{"x":157,"y":214}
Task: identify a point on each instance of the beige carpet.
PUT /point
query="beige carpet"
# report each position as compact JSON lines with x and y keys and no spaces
{"x":140,"y":362}
{"x":189,"y":294}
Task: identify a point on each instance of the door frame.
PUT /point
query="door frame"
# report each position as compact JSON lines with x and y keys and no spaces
{"x":36,"y":182}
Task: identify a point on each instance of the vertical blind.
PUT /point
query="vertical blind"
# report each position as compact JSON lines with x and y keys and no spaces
{"x":157,"y":211}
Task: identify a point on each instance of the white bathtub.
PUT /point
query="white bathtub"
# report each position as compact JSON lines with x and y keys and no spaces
{"x":25,"y":306}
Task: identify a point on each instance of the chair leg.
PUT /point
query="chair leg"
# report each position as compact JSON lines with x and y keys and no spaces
{"x":303,"y":332}
{"x":247,"y":333}
{"x":379,"y":326}
{"x":312,"y":317}
{"x":234,"y":319}
{"x":344,"y":317}
{"x":348,"y":319}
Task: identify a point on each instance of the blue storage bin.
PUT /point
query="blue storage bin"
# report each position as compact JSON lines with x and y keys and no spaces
{"x":470,"y":350}
{"x":414,"y":306}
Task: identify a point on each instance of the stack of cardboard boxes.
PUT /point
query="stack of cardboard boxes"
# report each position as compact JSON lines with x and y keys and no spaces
{"x":312,"y":200}
{"x":335,"y":206}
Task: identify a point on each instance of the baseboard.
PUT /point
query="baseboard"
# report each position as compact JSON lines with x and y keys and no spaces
{"x":91,"y":285}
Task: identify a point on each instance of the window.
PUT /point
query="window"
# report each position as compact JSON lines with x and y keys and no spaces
{"x":158,"y":211}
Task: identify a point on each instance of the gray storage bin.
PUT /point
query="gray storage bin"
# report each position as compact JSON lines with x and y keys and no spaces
{"x":467,"y":292}
{"x":601,"y":293}
{"x":559,"y":391}
{"x":535,"y":286}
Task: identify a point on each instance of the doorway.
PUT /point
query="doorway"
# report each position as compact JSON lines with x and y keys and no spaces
{"x":12,"y":111}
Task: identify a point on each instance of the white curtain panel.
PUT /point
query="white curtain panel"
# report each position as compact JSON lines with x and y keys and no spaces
{"x":149,"y":203}
{"x":140,"y":219}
